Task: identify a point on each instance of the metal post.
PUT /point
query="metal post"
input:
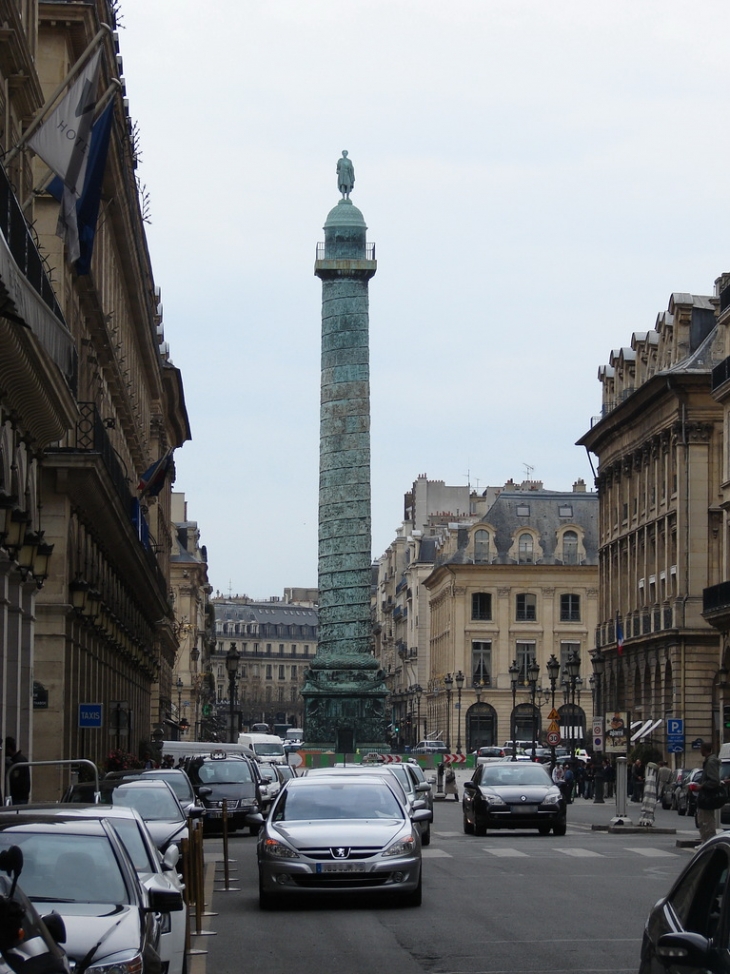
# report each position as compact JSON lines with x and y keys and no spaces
{"x":599,"y":664}
{"x":459,"y":685}
{"x":449,"y":681}
{"x":514,"y":672}
{"x":621,"y":817}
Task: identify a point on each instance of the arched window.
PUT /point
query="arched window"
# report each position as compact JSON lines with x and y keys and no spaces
{"x":570,"y":548}
{"x":481,"y":546}
{"x":525,"y":549}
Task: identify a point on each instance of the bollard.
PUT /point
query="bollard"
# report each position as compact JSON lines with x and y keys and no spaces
{"x":621,"y":817}
{"x":440,"y":771}
{"x":227,"y":888}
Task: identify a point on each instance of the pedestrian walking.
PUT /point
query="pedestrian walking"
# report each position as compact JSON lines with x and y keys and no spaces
{"x":609,"y":778}
{"x":569,"y":782}
{"x":662,"y":779}
{"x":637,"y":781}
{"x":451,"y":787}
{"x":19,"y":778}
{"x":707,"y":796}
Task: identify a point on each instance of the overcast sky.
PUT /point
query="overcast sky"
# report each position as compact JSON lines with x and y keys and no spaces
{"x":538,"y":179}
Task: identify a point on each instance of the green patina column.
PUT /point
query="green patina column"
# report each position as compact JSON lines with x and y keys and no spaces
{"x":344,"y":691}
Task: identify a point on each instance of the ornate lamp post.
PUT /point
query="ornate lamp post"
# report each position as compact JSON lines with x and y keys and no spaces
{"x":553,"y":668}
{"x":599,"y":665}
{"x":179,"y":687}
{"x":419,"y":690}
{"x":533,"y":673}
{"x":232,"y":659}
{"x":448,"y":682}
{"x":459,"y":687}
{"x":572,"y":666}
{"x":514,"y":674}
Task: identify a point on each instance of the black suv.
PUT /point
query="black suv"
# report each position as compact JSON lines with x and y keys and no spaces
{"x":233,"y":777}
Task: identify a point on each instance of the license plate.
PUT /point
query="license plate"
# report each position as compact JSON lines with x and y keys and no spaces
{"x":523,"y":809}
{"x":214,"y":813}
{"x":340,"y":867}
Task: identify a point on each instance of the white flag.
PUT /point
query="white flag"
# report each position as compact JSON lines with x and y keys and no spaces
{"x":63,"y":139}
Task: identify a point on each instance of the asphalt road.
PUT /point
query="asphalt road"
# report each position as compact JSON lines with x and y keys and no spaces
{"x":510,"y":902}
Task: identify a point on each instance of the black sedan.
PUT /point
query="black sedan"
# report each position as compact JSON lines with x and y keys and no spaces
{"x":513,"y":795}
{"x":687,"y":930}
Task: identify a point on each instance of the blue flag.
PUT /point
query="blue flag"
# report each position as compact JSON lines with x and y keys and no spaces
{"x":87,"y":208}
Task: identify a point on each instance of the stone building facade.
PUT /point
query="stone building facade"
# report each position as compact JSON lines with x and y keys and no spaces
{"x":90,"y":401}
{"x":276,"y":641}
{"x":659,"y":443}
{"x":518,"y":585}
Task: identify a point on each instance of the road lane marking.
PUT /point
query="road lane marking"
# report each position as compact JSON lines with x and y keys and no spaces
{"x":436,"y":854}
{"x":652,"y":852}
{"x":581,"y":853}
{"x":507,"y":853}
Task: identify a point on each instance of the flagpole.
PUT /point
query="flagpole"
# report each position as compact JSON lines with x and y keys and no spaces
{"x":50,"y":102}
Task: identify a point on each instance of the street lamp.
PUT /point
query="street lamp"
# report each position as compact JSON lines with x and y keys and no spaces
{"x":419,"y":691}
{"x":179,"y":686}
{"x":448,"y":682}
{"x":459,"y":686}
{"x":572,"y":666}
{"x":232,"y":659}
{"x":599,"y":665}
{"x":553,"y":668}
{"x":533,"y":673}
{"x":514,"y":674}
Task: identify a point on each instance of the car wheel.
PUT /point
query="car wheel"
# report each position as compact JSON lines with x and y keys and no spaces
{"x":267,"y":901}
{"x":480,"y":826}
{"x":544,"y":829}
{"x":560,"y":828}
{"x":468,"y":827}
{"x":426,"y":837}
{"x":415,"y":897}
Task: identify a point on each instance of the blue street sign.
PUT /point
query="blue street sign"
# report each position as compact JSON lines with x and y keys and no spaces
{"x":90,"y":714}
{"x":675,"y":726}
{"x":675,"y":748}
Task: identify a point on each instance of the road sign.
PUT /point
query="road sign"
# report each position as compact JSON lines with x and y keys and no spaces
{"x":90,"y":714}
{"x":675,"y":748}
{"x":675,"y":726}
{"x":553,"y":715}
{"x":454,"y":758}
{"x":553,"y":738}
{"x":553,"y":728}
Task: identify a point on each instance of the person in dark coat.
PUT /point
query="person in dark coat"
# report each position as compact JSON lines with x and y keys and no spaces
{"x":19,"y":779}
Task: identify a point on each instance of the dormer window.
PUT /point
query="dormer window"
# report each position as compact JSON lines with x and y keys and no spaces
{"x":525,"y":549}
{"x":570,"y":548}
{"x":481,"y":547}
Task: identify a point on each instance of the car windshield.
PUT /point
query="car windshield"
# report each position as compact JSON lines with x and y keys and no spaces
{"x":58,"y":867}
{"x":179,"y":783}
{"x":333,"y":800}
{"x":402,"y":775}
{"x":224,"y":772}
{"x":268,"y":750}
{"x":153,"y":804}
{"x":506,"y":774}
{"x":268,"y":772}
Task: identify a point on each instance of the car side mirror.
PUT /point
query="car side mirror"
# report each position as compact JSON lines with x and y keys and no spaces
{"x":204,"y":791}
{"x":423,"y":786}
{"x":194,"y":811}
{"x":164,"y":900}
{"x":422,"y":815}
{"x":171,"y":857}
{"x":690,"y":950}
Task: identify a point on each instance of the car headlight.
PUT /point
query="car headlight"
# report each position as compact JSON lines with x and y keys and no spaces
{"x":125,"y":962}
{"x":273,"y":848}
{"x":552,"y":799}
{"x":403,"y":847}
{"x":493,"y":799}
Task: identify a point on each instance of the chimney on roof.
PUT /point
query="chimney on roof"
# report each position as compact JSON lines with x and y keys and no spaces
{"x":579,"y":487}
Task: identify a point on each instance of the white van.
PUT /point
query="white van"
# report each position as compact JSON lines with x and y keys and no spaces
{"x":266,"y":747}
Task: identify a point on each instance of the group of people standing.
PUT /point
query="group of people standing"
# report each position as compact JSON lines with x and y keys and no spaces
{"x":576,"y":779}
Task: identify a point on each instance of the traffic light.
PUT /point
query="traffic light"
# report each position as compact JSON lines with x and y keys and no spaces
{"x":726,"y":716}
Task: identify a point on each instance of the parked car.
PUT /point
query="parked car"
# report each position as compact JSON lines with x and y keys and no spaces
{"x":175,"y":778}
{"x":687,"y":929}
{"x":513,"y":795}
{"x":24,"y":936}
{"x":80,"y":869}
{"x":338,"y":834}
{"x":156,"y":803}
{"x":686,"y":798}
{"x":668,"y":796}
{"x":276,"y":775}
{"x":236,"y":779}
{"x":153,"y":870}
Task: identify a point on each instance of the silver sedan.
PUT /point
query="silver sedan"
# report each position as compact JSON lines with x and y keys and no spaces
{"x":340,"y":835}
